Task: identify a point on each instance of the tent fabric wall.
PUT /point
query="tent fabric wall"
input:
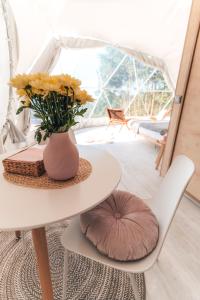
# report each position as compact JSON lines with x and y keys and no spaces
{"x":8,"y":63}
{"x":81,"y":42}
{"x":4,"y":65}
{"x":155,"y":27}
{"x":44,"y":62}
{"x":153,"y":31}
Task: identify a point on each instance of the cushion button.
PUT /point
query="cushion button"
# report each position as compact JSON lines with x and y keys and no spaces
{"x":117,"y":215}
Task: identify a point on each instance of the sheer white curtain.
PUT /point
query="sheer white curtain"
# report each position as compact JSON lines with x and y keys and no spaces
{"x":8,"y":62}
{"x":44,"y":62}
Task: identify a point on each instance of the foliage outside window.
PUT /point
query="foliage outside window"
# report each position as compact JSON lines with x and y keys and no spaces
{"x":116,"y":79}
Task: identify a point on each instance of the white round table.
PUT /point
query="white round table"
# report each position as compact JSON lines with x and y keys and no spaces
{"x":23,"y":208}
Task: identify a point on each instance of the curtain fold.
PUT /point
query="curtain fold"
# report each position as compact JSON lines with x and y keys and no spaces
{"x":10,"y":51}
{"x":81,"y":42}
{"x":44,"y":62}
{"x":9,"y":129}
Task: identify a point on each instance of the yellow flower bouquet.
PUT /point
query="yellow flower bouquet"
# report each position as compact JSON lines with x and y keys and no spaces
{"x":56,"y":100}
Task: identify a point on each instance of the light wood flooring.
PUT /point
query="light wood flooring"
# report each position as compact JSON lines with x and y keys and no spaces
{"x":176,"y":276}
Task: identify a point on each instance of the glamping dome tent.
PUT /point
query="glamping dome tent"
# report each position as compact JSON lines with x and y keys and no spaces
{"x":148,"y":33}
{"x":140,"y":57}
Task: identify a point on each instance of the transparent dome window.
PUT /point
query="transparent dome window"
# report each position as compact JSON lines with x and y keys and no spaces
{"x":116,"y":80}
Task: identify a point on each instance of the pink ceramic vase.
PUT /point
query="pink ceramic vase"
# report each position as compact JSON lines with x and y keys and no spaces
{"x":61,"y":157}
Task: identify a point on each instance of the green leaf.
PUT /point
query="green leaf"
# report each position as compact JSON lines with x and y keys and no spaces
{"x":81,"y":112}
{"x":38,"y":136}
{"x":63,"y":128}
{"x":47,"y":134}
{"x":38,"y":116}
{"x":20,"y":109}
{"x":73,"y":123}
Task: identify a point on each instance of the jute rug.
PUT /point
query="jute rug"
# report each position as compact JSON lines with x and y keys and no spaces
{"x":87,"y":280}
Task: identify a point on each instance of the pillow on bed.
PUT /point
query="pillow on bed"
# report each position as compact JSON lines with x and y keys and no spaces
{"x":122,"y":227}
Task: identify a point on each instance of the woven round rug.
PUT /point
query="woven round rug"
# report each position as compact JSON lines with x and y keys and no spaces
{"x":86,"y":280}
{"x":44,"y":182}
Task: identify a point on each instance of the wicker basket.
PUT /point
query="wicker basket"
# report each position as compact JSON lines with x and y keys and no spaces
{"x":28,"y":162}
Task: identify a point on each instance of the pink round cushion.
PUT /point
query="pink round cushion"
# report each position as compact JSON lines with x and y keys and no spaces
{"x":122,"y":227}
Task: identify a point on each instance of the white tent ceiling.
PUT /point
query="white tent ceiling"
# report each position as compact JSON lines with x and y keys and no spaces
{"x":155,"y":27}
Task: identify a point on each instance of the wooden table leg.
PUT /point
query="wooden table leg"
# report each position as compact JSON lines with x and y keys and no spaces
{"x":18,"y":234}
{"x":40,"y":244}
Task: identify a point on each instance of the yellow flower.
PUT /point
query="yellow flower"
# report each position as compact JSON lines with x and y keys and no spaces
{"x":21,"y":92}
{"x":39,"y":92}
{"x":37,"y":84}
{"x":19,"y":81}
{"x":22,"y":80}
{"x":38,"y":76}
{"x":43,"y":83}
{"x":62,"y":90}
{"x":67,"y":81}
{"x":83,"y":96}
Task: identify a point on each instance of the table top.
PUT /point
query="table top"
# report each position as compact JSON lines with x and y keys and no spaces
{"x":28,"y":208}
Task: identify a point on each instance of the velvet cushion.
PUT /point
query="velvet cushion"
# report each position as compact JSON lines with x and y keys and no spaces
{"x":122,"y":227}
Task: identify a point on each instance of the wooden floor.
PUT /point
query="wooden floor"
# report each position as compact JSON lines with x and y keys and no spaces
{"x":176,"y":276}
